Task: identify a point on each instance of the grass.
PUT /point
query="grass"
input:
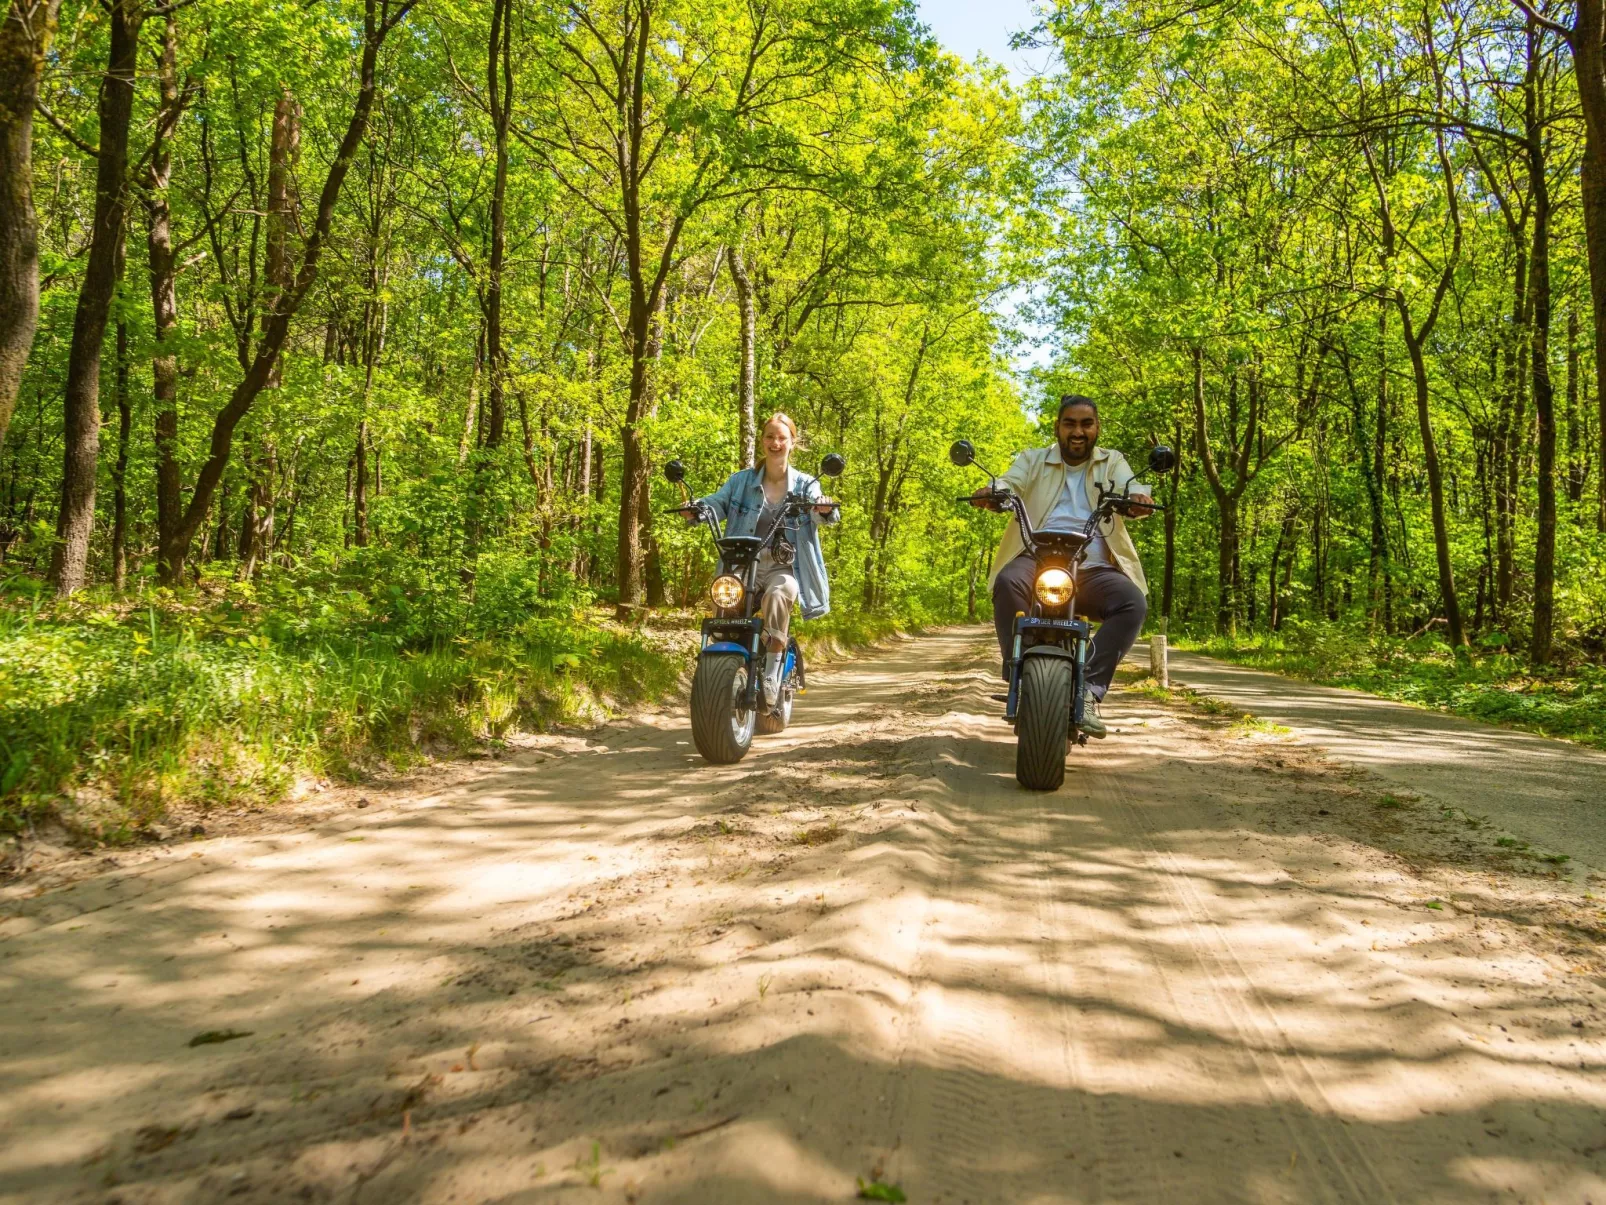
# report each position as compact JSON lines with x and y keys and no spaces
{"x":1486,"y":684}
{"x":115,"y":710}
{"x":112,"y":712}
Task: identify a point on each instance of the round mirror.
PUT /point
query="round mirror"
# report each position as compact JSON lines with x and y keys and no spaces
{"x":962,"y":453}
{"x":1162,"y":459}
{"x":833,"y":465}
{"x":675,"y":471}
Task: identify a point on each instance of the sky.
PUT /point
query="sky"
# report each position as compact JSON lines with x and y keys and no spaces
{"x":969,"y":28}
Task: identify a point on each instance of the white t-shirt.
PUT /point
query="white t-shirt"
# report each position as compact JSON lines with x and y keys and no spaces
{"x":1072,"y":510}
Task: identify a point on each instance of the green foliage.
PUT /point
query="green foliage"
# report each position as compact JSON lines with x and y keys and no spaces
{"x":125,"y":709}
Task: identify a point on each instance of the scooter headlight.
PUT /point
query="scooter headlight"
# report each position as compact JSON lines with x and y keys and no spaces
{"x":1054,"y":587}
{"x":726,"y":592}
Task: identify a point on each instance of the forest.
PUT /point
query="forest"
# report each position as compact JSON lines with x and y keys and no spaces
{"x":342,"y":346}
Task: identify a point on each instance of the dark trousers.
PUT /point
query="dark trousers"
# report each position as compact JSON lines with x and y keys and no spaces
{"x":1102,"y":592}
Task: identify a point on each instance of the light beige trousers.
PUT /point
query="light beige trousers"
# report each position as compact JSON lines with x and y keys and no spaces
{"x":780,"y":592}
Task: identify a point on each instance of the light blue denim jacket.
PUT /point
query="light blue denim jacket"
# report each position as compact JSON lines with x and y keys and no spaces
{"x":738,"y":503}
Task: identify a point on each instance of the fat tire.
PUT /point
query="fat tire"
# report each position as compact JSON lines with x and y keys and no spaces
{"x":1043,"y":722}
{"x":771,"y":723}
{"x":715,"y":687}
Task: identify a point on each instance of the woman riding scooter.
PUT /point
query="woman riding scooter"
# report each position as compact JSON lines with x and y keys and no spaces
{"x":749,"y":503}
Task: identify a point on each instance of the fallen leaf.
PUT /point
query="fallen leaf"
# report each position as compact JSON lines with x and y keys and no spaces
{"x":875,"y":1190}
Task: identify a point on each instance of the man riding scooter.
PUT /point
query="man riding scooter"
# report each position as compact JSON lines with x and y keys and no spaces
{"x":1061,"y":486}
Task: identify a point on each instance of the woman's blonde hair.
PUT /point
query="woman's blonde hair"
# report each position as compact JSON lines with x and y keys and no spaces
{"x":790,"y":424}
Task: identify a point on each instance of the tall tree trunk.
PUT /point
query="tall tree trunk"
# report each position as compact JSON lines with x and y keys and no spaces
{"x":262,"y":469}
{"x":633,"y":481}
{"x":1576,"y":469}
{"x":747,"y":362}
{"x":1588,"y":43}
{"x":1509,"y":432}
{"x":120,"y":469}
{"x":24,"y":41}
{"x":1430,"y":458}
{"x":499,"y":81}
{"x":81,"y":404}
{"x":1544,"y":393}
{"x":162,"y":266}
{"x":359,"y":488}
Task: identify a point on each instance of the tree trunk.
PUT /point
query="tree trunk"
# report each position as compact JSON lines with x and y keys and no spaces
{"x":359,"y":488}
{"x":499,"y":81}
{"x":162,"y":265}
{"x":1430,"y":460}
{"x":1577,"y":471}
{"x":24,"y":41}
{"x":1588,"y":42}
{"x":75,"y":520}
{"x":120,"y":469}
{"x":1543,"y":392}
{"x":747,"y":363}
{"x":633,"y":474}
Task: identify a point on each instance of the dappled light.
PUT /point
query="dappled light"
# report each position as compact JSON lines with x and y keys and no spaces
{"x":864,"y":948}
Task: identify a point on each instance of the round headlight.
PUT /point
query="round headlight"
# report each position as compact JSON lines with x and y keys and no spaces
{"x":1054,"y":587}
{"x":726,"y":592}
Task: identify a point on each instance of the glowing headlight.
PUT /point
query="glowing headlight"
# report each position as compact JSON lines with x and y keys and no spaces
{"x":1054,"y":587}
{"x":726,"y":592}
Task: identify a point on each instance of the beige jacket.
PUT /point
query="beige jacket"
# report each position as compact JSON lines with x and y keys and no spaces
{"x":1038,"y":476}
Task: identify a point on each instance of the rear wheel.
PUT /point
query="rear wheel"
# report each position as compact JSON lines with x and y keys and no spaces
{"x":1043,"y":722}
{"x":721,"y":724}
{"x":771,"y":723}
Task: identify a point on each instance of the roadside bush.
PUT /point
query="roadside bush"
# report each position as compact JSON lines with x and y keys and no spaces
{"x":110,"y":713}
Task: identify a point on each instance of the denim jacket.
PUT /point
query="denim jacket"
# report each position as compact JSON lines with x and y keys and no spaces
{"x":738,"y":503}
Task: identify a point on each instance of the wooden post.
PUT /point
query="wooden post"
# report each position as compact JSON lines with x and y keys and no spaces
{"x":1158,"y":668}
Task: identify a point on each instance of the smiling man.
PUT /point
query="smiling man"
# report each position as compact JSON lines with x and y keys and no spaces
{"x":1060,"y":487}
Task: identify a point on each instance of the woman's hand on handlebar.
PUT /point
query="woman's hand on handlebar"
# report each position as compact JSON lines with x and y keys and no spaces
{"x":825,"y":506}
{"x":692,"y":512}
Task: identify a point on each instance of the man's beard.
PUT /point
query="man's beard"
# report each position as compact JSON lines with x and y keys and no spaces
{"x":1070,"y":457}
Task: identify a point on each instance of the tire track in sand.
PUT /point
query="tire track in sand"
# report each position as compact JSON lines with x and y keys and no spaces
{"x":1016,"y":1012}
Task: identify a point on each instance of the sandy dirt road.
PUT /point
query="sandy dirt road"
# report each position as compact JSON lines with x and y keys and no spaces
{"x":1551,"y":792}
{"x":1213,"y":967}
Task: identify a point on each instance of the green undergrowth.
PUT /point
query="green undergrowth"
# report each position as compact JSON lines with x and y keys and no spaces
{"x":1486,"y":683}
{"x":114,"y":711}
{"x":111,"y":712}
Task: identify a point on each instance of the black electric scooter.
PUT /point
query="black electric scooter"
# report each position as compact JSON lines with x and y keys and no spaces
{"x":1047,"y":665}
{"x":726,"y":702}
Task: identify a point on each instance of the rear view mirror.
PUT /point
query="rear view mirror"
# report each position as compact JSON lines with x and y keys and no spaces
{"x":833,"y":465}
{"x":1161,"y":460}
{"x":962,"y":454}
{"x":675,"y":471}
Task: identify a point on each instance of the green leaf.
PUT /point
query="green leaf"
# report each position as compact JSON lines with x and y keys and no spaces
{"x":875,"y":1190}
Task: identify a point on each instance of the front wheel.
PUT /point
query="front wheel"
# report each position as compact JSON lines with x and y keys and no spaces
{"x":721,"y":721}
{"x":1043,"y":722}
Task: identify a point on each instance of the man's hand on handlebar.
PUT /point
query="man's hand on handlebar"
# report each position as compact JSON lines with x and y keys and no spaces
{"x":1138,"y":508}
{"x":987,"y":498}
